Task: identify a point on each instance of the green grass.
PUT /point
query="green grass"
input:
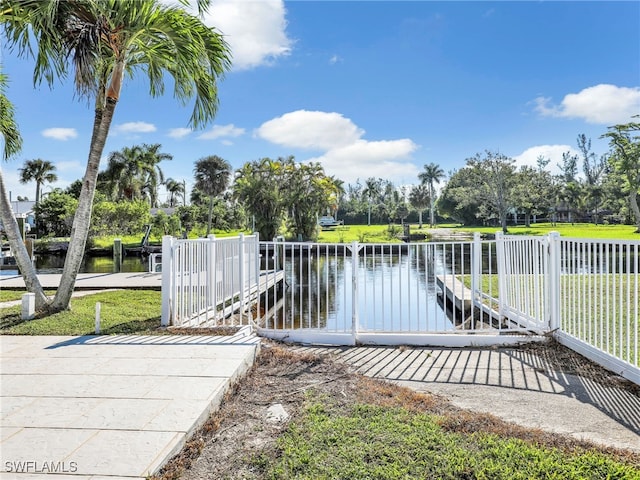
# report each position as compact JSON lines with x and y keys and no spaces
{"x":372,"y":442}
{"x":600,"y":298}
{"x":122,"y":312}
{"x":578,"y":230}
{"x":11,"y":295}
{"x":360,"y":233}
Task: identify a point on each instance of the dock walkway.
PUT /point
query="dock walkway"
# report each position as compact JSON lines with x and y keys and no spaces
{"x":92,"y":281}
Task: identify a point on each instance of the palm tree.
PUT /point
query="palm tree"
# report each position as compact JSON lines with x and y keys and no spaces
{"x":432,"y":174}
{"x":419,"y":199}
{"x":212,"y":175}
{"x":175,"y":190}
{"x":40,"y":171}
{"x":12,"y":145}
{"x":373,"y":190}
{"x":133,"y":173}
{"x":100,"y":42}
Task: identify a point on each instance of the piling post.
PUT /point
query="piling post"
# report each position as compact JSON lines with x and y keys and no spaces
{"x":117,"y":255}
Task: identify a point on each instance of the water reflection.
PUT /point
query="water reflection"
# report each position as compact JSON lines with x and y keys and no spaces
{"x":392,"y":289}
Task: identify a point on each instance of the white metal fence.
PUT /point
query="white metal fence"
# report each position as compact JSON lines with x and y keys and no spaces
{"x":205,"y":281}
{"x":598,"y":295}
{"x":435,"y":293}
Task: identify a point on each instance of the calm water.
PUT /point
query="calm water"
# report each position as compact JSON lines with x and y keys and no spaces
{"x":55,"y":263}
{"x":394,"y":292}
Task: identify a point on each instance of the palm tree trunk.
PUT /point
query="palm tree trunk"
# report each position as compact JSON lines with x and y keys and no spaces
{"x":210,"y":216}
{"x":420,"y":215}
{"x":431,"y":209}
{"x":82,"y":218}
{"x":633,"y":201}
{"x":19,"y":249}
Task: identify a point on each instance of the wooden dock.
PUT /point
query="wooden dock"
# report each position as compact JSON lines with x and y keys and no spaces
{"x":91,"y":281}
{"x":454,"y":292}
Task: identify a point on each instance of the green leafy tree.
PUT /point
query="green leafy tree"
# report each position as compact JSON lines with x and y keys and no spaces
{"x":212,"y":176}
{"x":12,"y":144}
{"x":535,"y":194}
{"x":432,"y":174}
{"x":493,"y":175}
{"x":100,"y":42}
{"x":55,"y":213}
{"x":258,"y":187}
{"x":309,"y":192}
{"x":626,"y":159}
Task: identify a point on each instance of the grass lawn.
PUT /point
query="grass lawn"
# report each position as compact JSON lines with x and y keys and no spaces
{"x":122,"y":312}
{"x":382,"y":442}
{"x":602,"y":314}
{"x":578,"y":230}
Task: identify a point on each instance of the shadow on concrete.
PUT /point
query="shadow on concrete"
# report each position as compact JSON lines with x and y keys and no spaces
{"x":538,"y":369}
{"x":240,"y":338}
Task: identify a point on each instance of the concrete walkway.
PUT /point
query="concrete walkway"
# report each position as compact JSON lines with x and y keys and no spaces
{"x":514,"y":384}
{"x":109,"y":407}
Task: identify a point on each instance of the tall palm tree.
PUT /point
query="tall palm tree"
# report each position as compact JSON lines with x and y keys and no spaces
{"x":12,"y":145}
{"x":100,"y":42}
{"x":212,"y":176}
{"x":152,"y":173}
{"x":40,"y":171}
{"x":432,"y":174}
{"x":419,"y":199}
{"x":175,"y":190}
{"x":133,"y":173}
{"x":373,"y":190}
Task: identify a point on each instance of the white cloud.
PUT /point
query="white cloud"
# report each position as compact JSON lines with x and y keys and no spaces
{"x":255,"y":30}
{"x":335,"y":59}
{"x":601,"y":104}
{"x":388,"y":159}
{"x":73,"y":166}
{"x":310,"y":130}
{"x":59,"y":133}
{"x":222,"y":131}
{"x":135,"y":127}
{"x":553,"y":152}
{"x":179,"y":132}
{"x":346,"y":154}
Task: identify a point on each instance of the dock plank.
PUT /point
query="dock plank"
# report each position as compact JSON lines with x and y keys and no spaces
{"x":93,"y":281}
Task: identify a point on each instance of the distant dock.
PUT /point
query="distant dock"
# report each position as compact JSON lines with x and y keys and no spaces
{"x":91,"y":281}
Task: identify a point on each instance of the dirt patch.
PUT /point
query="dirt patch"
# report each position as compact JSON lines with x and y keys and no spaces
{"x":247,"y":422}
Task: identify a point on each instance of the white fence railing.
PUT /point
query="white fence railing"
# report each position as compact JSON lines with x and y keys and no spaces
{"x":205,"y":281}
{"x":359,"y":293}
{"x":598,"y":293}
{"x":447,"y":293}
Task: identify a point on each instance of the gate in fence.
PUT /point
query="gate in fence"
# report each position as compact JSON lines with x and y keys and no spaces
{"x":436,"y":293}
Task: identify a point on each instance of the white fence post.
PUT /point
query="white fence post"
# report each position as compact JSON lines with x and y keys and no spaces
{"x":242,"y":277}
{"x":355,"y":254}
{"x":167,"y":280}
{"x":502,"y":272}
{"x":476,"y":268}
{"x":211,"y":271}
{"x":554,"y":280}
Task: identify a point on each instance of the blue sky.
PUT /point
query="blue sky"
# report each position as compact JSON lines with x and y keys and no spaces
{"x":369,"y":89}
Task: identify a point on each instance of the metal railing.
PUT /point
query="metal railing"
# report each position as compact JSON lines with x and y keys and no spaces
{"x":598,"y":294}
{"x":206,"y":281}
{"x":585,"y":292}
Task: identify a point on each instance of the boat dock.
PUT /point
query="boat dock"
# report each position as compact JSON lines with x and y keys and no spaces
{"x":454,"y":292}
{"x":92,"y":281}
{"x":128,"y":280}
